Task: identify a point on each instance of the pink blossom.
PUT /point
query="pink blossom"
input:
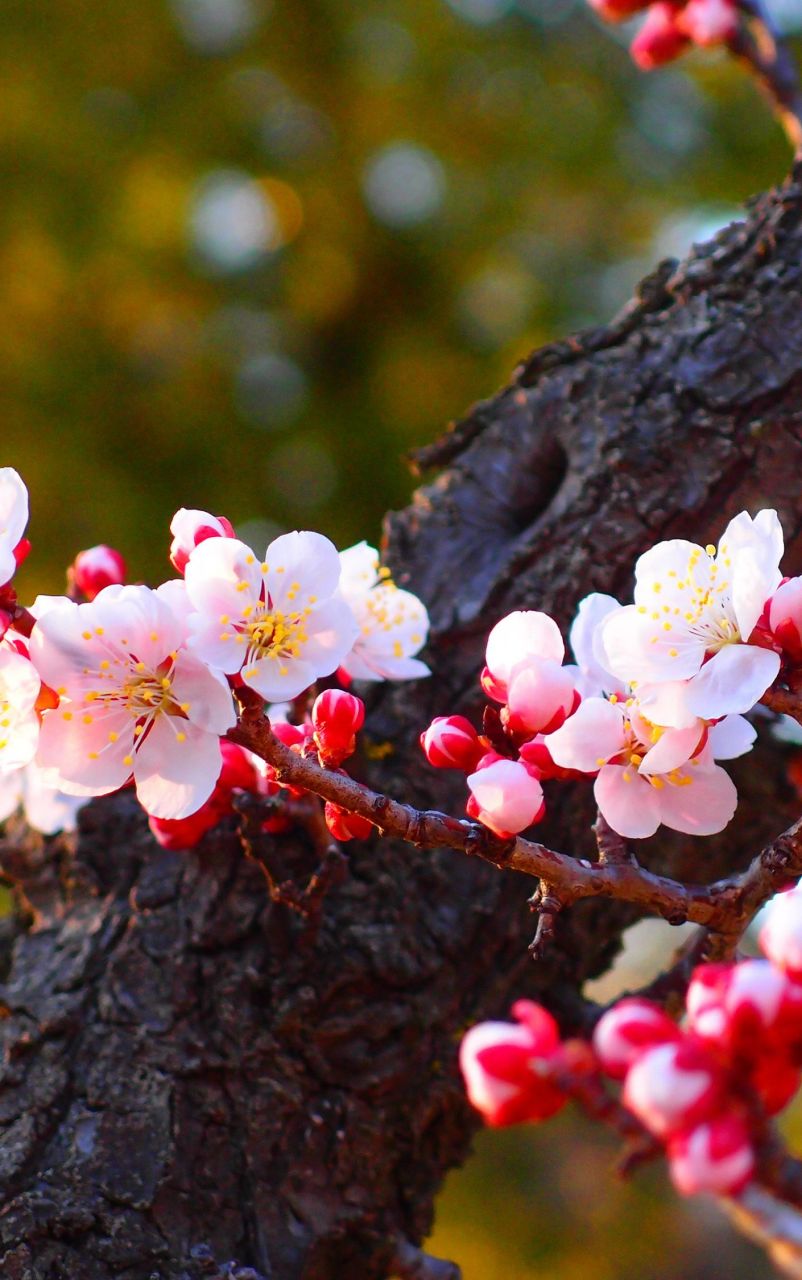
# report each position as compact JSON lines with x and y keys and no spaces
{"x":709,"y":22}
{"x":624,"y":1032}
{"x":393,"y":624}
{"x":781,"y":935}
{"x":190,"y":528}
{"x":19,"y":722}
{"x":46,"y":809}
{"x":715,"y":1158}
{"x":673,"y":1087}
{"x":13,"y":519}
{"x":96,"y":568}
{"x":506,"y":1067}
{"x":695,"y":611}
{"x":540,"y":694}
{"x":660,"y":39}
{"x":505,"y":796}
{"x":280,"y":622}
{"x":518,"y":638}
{"x":133,"y":701}
{"x":451,"y":742}
{"x":646,"y":776}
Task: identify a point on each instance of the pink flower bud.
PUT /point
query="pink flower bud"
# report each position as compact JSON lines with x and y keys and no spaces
{"x":672,"y":1087}
{"x":617,"y":10}
{"x":519,"y":637}
{"x":337,"y":718}
{"x":240,"y":769}
{"x":785,"y":617}
{"x":625,"y":1031}
{"x":745,"y":1008}
{"x":660,"y":39}
{"x":178,"y":834}
{"x":715,"y":1158}
{"x":345,"y":825}
{"x":491,"y":687}
{"x":451,"y":742}
{"x":96,"y":568}
{"x":190,"y":528}
{"x":540,"y":694}
{"x":506,"y":797}
{"x":781,"y":936}
{"x":506,"y":1067}
{"x":709,"y":22}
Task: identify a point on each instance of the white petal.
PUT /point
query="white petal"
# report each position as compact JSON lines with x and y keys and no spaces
{"x":523,"y":634}
{"x":204,"y":693}
{"x":176,"y":768}
{"x":703,"y":807}
{"x":331,"y":630}
{"x":672,"y":749}
{"x":265,"y":676}
{"x":359,"y":570}
{"x":731,"y":737}
{"x":763,"y":535}
{"x":594,"y":732}
{"x":215,"y":575}
{"x":303,"y":568}
{"x":635,"y":647}
{"x":13,"y":519}
{"x":627,"y":802}
{"x":11,"y":788}
{"x":88,"y":760}
{"x":591,"y":613}
{"x":753,"y":584}
{"x":667,"y":704}
{"x":733,"y":680}
{"x":664,"y":573}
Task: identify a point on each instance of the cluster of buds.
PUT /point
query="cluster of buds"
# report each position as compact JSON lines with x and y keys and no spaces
{"x":672,"y":26}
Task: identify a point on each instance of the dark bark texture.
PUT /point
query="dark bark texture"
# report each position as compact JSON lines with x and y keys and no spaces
{"x":196,"y":1084}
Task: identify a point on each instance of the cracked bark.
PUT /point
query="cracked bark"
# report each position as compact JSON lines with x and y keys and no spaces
{"x":194,"y":1087}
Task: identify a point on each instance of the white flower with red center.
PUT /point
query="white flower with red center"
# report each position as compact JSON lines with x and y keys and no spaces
{"x":393,"y":624}
{"x":19,"y":722}
{"x":279,"y":622}
{"x":133,"y":702}
{"x":13,"y":519}
{"x":672,"y":1087}
{"x":694,"y":613}
{"x":190,"y":528}
{"x":646,"y":775}
{"x":46,"y":809}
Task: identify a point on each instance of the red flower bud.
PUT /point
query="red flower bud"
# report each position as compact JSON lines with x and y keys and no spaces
{"x":617,"y":10}
{"x":345,"y":825}
{"x":673,"y":1087}
{"x":337,"y":718}
{"x":506,"y":1067}
{"x":715,"y":1157}
{"x":627,"y":1030}
{"x":451,"y":742}
{"x":660,"y":39}
{"x":96,"y":568}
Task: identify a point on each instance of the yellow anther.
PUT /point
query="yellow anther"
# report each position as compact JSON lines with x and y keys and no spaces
{"x":710,"y":549}
{"x":128,"y":760}
{"x":180,"y":737}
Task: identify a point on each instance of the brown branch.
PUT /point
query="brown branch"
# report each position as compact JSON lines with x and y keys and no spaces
{"x":726,"y":906}
{"x":760,"y":46}
{"x":410,"y":1263}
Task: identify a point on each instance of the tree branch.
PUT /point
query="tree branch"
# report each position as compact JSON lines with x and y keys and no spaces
{"x":759,"y":44}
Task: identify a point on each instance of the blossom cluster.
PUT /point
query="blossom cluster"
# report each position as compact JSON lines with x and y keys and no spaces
{"x":670,"y":27}
{"x":119,"y":684}
{"x":656,"y":696}
{"x":702,"y":1089}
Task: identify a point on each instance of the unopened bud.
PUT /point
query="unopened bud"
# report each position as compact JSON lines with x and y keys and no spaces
{"x":96,"y":568}
{"x":190,"y":528}
{"x":451,"y":742}
{"x":337,"y":717}
{"x":715,"y":1158}
{"x":627,"y":1030}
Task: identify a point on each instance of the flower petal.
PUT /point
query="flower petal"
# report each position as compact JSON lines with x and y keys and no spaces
{"x":733,"y":680}
{"x":673,"y":748}
{"x":521,"y":635}
{"x":594,"y":732}
{"x":176,"y":768}
{"x":591,"y":613}
{"x":203,"y":694}
{"x":731,"y":737}
{"x":627,"y":802}
{"x":635,"y":646}
{"x":704,"y":806}
{"x":303,"y":568}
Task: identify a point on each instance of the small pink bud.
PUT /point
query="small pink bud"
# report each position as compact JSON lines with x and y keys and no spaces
{"x":781,"y":936}
{"x":96,"y":568}
{"x":491,"y":687}
{"x":709,"y":22}
{"x":715,"y":1158}
{"x":345,"y":825}
{"x":451,"y":742}
{"x":337,"y":718}
{"x":672,"y":1087}
{"x":505,"y":796}
{"x":625,"y":1031}
{"x":540,"y":694}
{"x":785,"y":618}
{"x":660,"y":39}
{"x":506,"y":1068}
{"x":190,"y":528}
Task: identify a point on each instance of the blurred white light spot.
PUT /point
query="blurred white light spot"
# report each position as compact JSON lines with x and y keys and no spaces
{"x":271,"y":390}
{"x":482,"y":12}
{"x":232,"y":222}
{"x":216,"y":26}
{"x":302,"y":473}
{"x":404,"y":184}
{"x":786,"y":13}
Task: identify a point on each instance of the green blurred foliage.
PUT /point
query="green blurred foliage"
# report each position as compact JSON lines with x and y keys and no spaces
{"x":250,"y":252}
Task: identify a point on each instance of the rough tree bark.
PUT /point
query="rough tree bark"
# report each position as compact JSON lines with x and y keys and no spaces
{"x":198,"y":1084}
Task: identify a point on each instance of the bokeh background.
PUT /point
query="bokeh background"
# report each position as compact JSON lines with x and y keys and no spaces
{"x":251,"y":251}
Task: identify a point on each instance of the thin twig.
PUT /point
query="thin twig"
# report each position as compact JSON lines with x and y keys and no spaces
{"x":759,"y":44}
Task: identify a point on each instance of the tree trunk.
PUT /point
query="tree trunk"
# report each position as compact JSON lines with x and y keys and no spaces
{"x":199,"y":1084}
